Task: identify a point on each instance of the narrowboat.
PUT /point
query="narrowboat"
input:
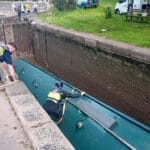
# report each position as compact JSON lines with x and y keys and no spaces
{"x":88,"y":123}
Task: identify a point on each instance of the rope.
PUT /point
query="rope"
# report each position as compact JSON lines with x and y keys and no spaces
{"x":64,"y":108}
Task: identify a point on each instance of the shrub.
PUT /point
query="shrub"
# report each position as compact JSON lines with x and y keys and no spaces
{"x":63,"y":5}
{"x":108,"y":12}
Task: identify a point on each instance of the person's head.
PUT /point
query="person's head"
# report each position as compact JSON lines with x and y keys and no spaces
{"x":59,"y":85}
{"x":12,"y":47}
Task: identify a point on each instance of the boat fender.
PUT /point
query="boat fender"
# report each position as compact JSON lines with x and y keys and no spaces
{"x":79,"y":124}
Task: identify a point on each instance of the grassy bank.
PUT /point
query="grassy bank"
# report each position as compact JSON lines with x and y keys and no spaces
{"x":94,"y":19}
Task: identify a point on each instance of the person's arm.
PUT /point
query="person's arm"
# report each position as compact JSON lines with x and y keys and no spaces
{"x":12,"y":72}
{"x":66,"y":94}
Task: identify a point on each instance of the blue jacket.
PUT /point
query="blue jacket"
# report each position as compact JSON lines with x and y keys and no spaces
{"x":5,"y":56}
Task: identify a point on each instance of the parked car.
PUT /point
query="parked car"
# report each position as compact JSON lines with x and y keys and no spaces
{"x":125,"y":6}
{"x":87,"y":3}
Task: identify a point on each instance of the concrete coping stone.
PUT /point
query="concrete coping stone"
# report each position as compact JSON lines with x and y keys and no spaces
{"x":41,"y":130}
{"x":89,"y":40}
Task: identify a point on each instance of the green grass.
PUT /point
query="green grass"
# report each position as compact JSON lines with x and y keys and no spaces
{"x":93,"y":20}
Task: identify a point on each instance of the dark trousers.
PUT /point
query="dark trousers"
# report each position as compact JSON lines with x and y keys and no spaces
{"x":53,"y":109}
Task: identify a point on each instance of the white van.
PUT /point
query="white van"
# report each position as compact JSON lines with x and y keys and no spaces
{"x":123,"y":6}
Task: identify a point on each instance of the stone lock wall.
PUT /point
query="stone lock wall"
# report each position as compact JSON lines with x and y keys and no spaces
{"x":22,"y":37}
{"x":1,"y":33}
{"x":6,"y":28}
{"x":99,"y":66}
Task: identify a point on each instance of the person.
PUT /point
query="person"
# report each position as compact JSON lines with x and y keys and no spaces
{"x":27,"y":7}
{"x":56,"y":102}
{"x":35,"y":8}
{"x":5,"y":56}
{"x":19,"y":11}
{"x":14,"y":9}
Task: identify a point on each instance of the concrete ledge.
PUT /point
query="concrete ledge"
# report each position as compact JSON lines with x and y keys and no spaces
{"x":42,"y":131}
{"x":88,"y":40}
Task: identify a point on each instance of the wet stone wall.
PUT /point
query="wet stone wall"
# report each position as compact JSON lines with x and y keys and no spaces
{"x":6,"y":28}
{"x":22,"y":37}
{"x":115,"y":80}
{"x":1,"y":33}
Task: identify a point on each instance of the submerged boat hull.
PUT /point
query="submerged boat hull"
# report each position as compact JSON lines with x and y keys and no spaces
{"x":88,"y":123}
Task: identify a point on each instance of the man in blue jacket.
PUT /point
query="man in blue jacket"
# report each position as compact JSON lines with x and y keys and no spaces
{"x":5,"y":56}
{"x":56,"y":102}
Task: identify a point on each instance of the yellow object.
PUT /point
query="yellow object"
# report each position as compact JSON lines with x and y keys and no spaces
{"x":27,"y":7}
{"x":56,"y":96}
{"x":1,"y":51}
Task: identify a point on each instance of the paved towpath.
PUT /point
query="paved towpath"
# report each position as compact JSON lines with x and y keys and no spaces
{"x":12,"y":135}
{"x":24,"y":125}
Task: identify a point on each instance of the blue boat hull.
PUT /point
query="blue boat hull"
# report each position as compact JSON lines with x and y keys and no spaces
{"x":100,"y":127}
